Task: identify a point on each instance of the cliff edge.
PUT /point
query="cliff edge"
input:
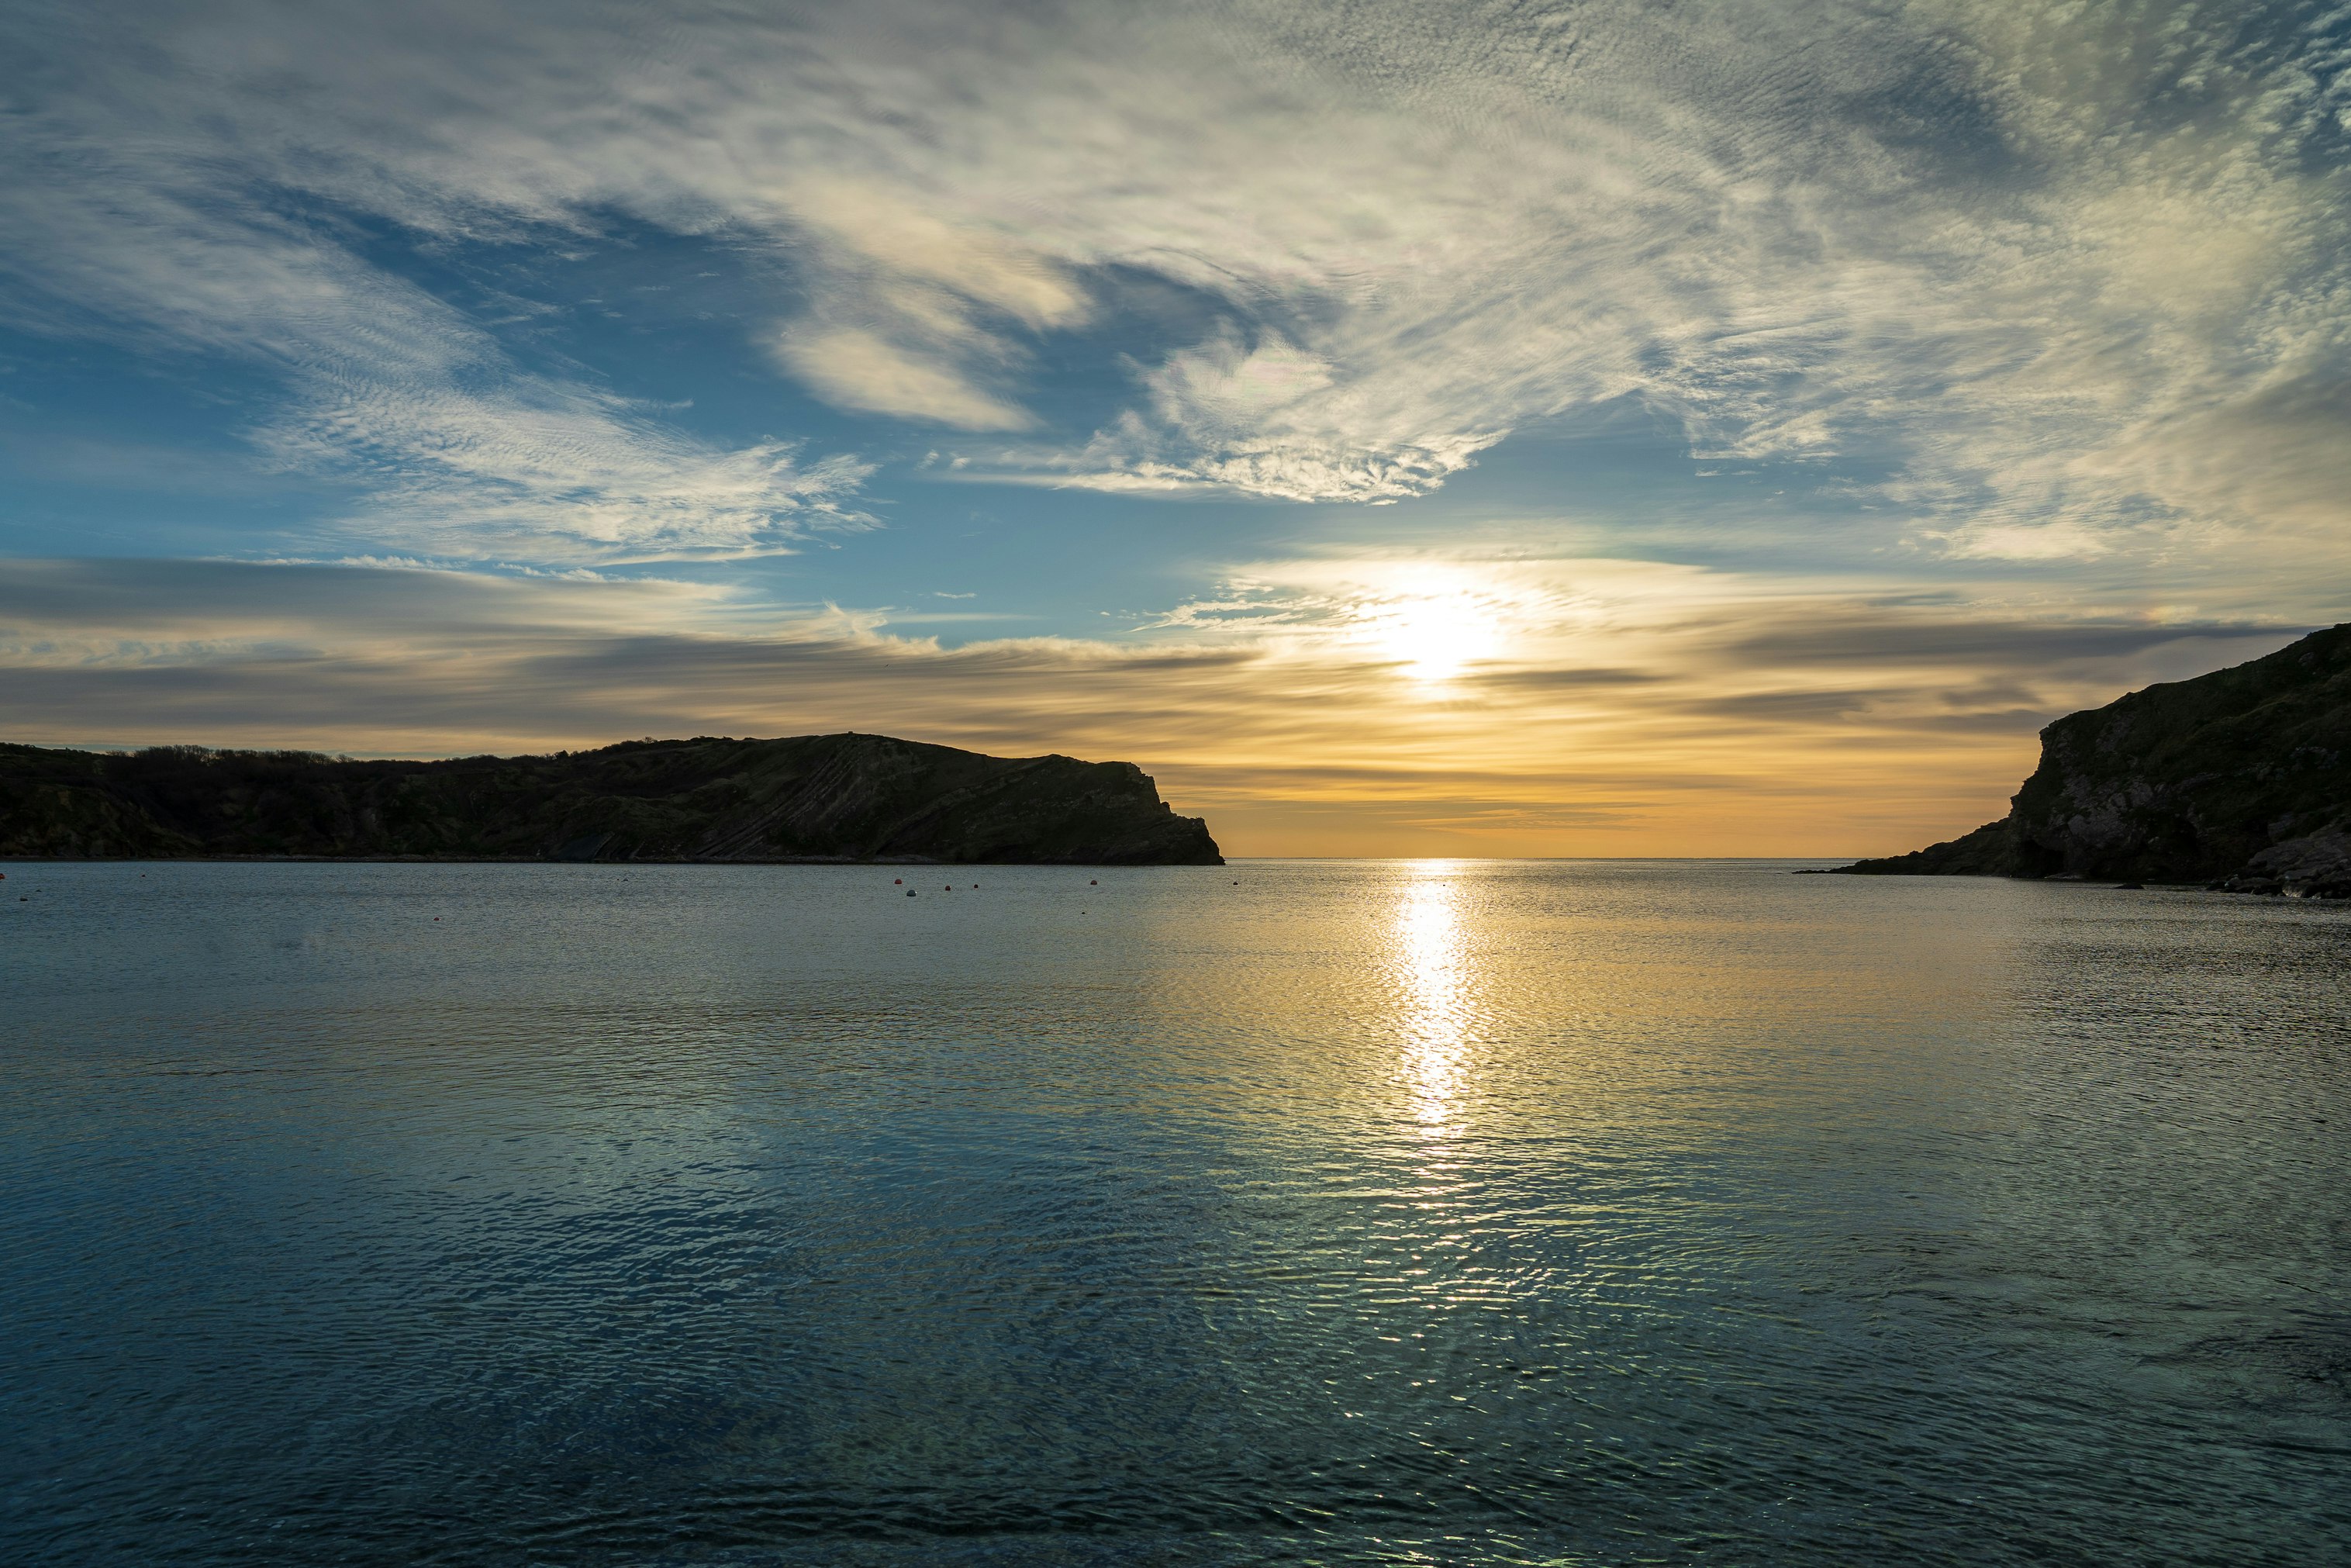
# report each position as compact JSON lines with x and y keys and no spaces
{"x":2241,"y":778}
{"x":825,"y":796}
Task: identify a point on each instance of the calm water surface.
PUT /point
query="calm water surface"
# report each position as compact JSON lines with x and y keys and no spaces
{"x":1337,"y":1212}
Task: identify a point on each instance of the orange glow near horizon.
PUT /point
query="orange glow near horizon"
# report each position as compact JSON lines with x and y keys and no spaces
{"x":1383,"y":709}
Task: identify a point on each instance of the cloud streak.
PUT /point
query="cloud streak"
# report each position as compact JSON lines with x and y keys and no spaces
{"x":1732,"y":722}
{"x":2009,"y":250}
{"x":130,"y":224}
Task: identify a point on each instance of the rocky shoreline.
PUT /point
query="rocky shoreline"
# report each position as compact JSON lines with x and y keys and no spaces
{"x":2239,"y":781}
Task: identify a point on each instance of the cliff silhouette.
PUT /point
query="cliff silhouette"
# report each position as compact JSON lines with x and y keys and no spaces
{"x":812,"y":797}
{"x":2241,"y":778}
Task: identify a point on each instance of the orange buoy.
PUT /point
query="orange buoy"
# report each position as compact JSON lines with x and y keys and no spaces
{"x":1093,"y":883}
{"x":897,"y":881}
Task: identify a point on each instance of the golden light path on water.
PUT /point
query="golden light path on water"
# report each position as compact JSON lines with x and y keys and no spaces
{"x":1432,"y":966}
{"x":1337,"y":1212}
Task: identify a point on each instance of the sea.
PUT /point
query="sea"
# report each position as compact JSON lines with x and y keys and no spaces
{"x":1424,"y":1212}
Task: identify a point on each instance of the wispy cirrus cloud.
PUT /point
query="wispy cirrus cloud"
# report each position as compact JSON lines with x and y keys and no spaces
{"x":453,"y":448}
{"x":127,"y":227}
{"x":2020,"y":256}
{"x":897,"y":320}
{"x":538,"y":470}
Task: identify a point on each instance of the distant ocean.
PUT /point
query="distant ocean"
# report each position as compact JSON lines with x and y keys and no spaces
{"x":1326,"y":1212}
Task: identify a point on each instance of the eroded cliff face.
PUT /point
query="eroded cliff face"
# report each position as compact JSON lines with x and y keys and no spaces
{"x":834,"y":796}
{"x":2241,"y":777}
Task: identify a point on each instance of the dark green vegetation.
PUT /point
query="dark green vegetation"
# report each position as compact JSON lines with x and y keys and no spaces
{"x":822,"y":797}
{"x":2242,"y":777}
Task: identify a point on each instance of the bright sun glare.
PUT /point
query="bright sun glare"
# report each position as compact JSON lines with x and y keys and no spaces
{"x":1434,"y":637}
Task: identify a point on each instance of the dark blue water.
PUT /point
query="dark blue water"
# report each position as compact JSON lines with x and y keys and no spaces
{"x":1356,"y":1213}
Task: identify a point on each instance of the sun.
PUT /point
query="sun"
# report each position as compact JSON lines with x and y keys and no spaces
{"x":1434,"y":637}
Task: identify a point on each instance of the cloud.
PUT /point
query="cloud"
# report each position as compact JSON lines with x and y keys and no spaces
{"x":125,"y":614}
{"x":1730,"y":719}
{"x":1997,"y":249}
{"x":2065,"y":539}
{"x":900,"y":321}
{"x":2063,"y":290}
{"x":169,"y":243}
{"x":457,"y":450}
{"x":861,"y":369}
{"x":1862,"y":638}
{"x":1251,"y":418}
{"x":904,"y":244}
{"x":542,"y":470}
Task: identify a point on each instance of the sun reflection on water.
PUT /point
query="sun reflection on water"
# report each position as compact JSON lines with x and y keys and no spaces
{"x":1432,"y":966}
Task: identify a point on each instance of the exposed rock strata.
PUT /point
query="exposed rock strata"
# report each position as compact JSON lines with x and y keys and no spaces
{"x":2241,"y":778}
{"x":832,"y":797}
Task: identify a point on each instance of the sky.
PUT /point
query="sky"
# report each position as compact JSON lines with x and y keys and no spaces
{"x":1522,"y":428}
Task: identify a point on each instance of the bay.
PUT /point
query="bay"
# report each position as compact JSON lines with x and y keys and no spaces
{"x":1288,"y":1212}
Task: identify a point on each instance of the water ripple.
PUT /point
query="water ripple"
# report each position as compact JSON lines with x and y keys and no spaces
{"x":1435,"y":1212}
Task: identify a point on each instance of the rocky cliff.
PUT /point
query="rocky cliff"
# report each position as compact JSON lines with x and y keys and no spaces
{"x":828,"y":797}
{"x":2241,"y":777}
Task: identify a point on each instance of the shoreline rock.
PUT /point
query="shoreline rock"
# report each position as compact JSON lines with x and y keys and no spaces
{"x":2239,"y":781}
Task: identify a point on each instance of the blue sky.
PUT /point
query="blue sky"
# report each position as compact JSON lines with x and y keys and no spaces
{"x":1575,"y":428}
